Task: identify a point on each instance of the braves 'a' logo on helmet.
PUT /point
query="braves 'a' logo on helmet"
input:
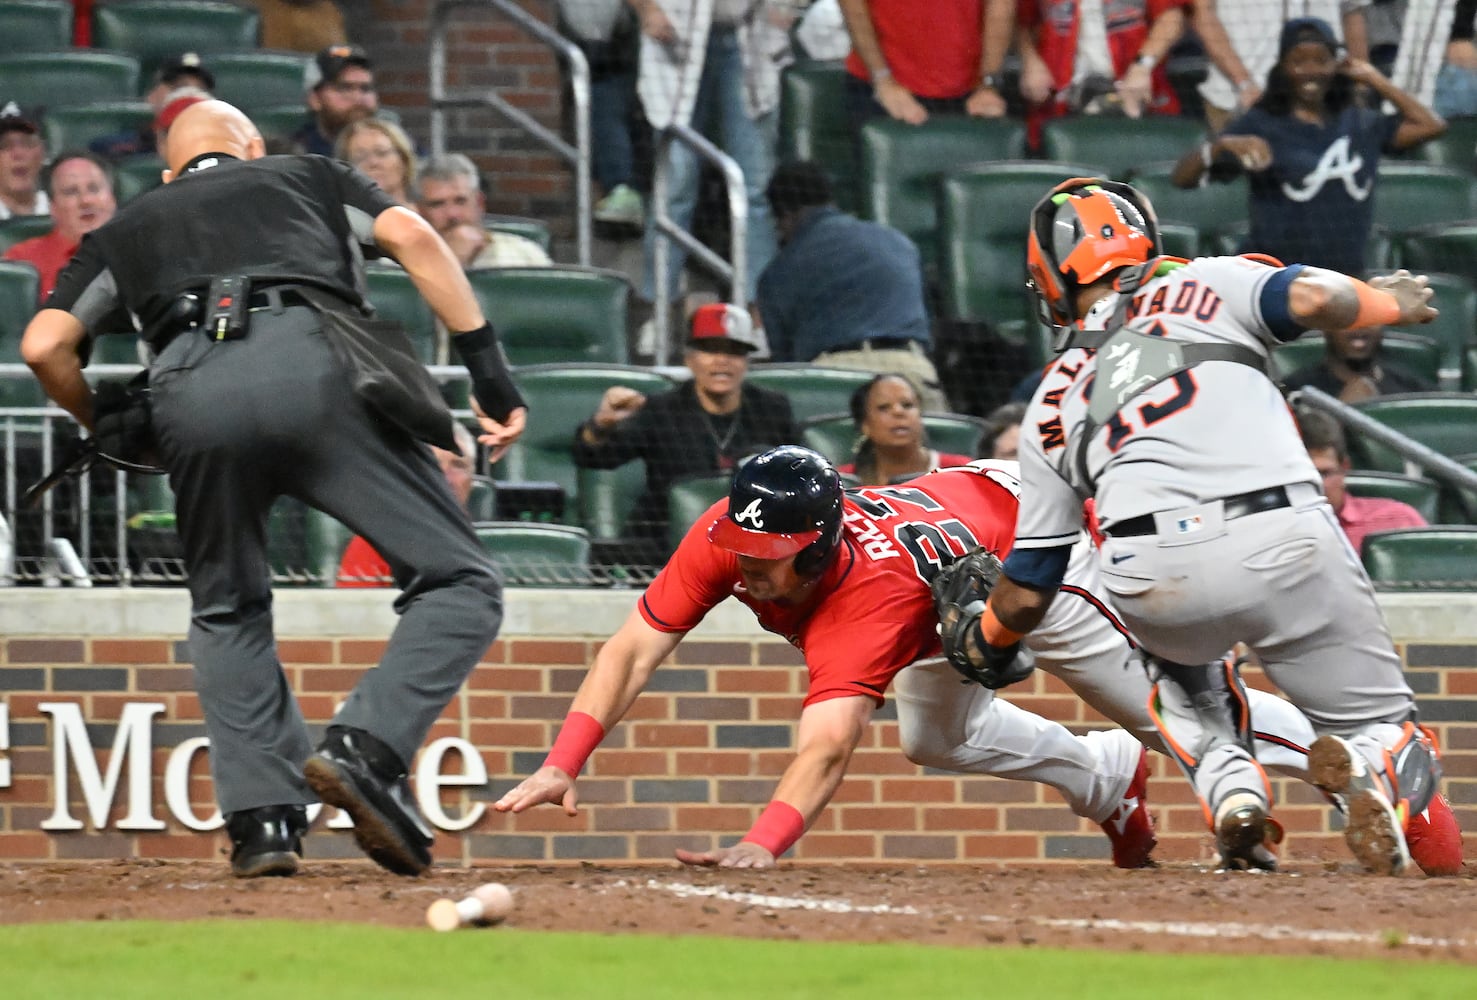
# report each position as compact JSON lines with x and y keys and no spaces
{"x":754,"y":514}
{"x":785,"y":502}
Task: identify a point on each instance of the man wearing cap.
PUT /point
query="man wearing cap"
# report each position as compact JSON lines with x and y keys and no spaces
{"x":178,"y":75}
{"x":80,"y":187}
{"x":21,"y":154}
{"x":340,"y":90}
{"x":702,"y":427}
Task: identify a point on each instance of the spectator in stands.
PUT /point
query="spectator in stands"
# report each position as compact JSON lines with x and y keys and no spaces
{"x":300,"y":25}
{"x":340,"y":89}
{"x":174,"y":104}
{"x":1002,"y":435}
{"x":1323,"y":436}
{"x":702,"y":427}
{"x":716,"y":63}
{"x":1242,"y":49}
{"x":892,"y":445}
{"x":1097,"y":65}
{"x":1353,"y":368}
{"x":842,"y":292}
{"x":384,"y":152}
{"x":449,"y":196}
{"x":1456,"y":83}
{"x":913,"y":58}
{"x":361,"y":565}
{"x":177,"y":75}
{"x":22,"y":154}
{"x":1312,"y":151}
{"x":80,"y":187}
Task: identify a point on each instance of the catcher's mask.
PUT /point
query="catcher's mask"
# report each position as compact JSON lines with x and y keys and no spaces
{"x":1082,"y":231}
{"x":784,"y":502}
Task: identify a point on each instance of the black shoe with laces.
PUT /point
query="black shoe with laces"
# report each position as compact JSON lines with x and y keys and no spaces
{"x":362,"y":776}
{"x":266,"y":840}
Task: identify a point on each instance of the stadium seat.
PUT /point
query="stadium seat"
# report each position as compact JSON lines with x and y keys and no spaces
{"x":538,"y":555}
{"x":1422,"y":494}
{"x":1469,"y":369}
{"x":22,"y":227}
{"x":394,"y":296}
{"x":136,"y":175}
{"x":19,"y":287}
{"x":607,"y":497}
{"x":326,"y":538}
{"x":688,"y":498}
{"x":120,"y":348}
{"x":814,"y":124}
{"x":1443,"y":422}
{"x":1210,"y":209}
{"x":1448,"y":247}
{"x":564,"y":396}
{"x":902,"y":165}
{"x":74,"y":127}
{"x":1455,"y":328}
{"x":530,"y":229}
{"x":1456,"y":147}
{"x":482,"y":499}
{"x":262,"y":79}
{"x":1413,"y":352}
{"x":813,"y":391}
{"x":154,"y":30}
{"x":1436,"y":558}
{"x":35,"y":25}
{"x":549,"y":315}
{"x":1410,"y":195}
{"x":279,"y":121}
{"x":1179,"y":239}
{"x":984,"y":220}
{"x":1117,"y":145}
{"x":54,"y":79}
{"x":835,"y":436}
{"x":954,"y":433}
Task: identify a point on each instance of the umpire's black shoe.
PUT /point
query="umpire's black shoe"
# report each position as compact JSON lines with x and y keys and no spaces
{"x":266,"y":840}
{"x":358,"y":773}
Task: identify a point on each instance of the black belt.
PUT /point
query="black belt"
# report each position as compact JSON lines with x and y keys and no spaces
{"x":1240,"y":505}
{"x":269,"y":298}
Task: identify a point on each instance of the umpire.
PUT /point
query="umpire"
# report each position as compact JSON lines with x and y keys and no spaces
{"x":255,"y":403}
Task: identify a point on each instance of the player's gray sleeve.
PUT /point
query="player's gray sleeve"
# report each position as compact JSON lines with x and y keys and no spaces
{"x":1051,"y":511}
{"x":1238,"y":283}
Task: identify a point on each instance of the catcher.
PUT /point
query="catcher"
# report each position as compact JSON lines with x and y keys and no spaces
{"x":846,"y":578}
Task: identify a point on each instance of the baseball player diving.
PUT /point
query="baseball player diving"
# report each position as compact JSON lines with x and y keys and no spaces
{"x":845,"y":577}
{"x":1159,"y":407}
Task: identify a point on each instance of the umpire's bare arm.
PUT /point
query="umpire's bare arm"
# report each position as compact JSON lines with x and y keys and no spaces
{"x":52,"y":347}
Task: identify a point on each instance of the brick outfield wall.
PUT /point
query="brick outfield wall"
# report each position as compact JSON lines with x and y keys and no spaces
{"x":691,"y":767}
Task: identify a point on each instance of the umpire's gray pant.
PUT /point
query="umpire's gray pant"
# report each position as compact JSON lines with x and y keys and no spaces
{"x":242,"y":422}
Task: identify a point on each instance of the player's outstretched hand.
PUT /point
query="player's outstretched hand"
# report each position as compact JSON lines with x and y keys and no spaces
{"x":547,"y":784}
{"x":741,"y":855}
{"x":1412,"y":292}
{"x":499,"y":436}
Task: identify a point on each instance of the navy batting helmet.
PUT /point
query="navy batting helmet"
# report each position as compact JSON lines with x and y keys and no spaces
{"x":784,"y":502}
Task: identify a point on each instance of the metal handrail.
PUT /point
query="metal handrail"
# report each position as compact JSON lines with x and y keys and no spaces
{"x":579,"y":73}
{"x":733,"y":271}
{"x":1437,"y":464}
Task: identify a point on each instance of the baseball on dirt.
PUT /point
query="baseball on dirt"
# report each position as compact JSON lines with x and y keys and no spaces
{"x":496,"y":900}
{"x":488,"y":904}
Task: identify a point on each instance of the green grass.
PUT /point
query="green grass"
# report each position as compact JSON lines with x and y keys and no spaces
{"x":219,"y":960}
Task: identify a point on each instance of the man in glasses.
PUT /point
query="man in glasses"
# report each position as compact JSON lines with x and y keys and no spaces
{"x":340,"y":91}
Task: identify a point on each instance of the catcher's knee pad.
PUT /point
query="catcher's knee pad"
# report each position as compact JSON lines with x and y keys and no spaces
{"x":1413,"y":768}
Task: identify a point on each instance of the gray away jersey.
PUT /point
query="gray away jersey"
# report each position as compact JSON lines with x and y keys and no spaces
{"x":1215,"y":430}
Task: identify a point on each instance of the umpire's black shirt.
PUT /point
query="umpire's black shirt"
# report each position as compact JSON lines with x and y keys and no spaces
{"x":302,"y":219}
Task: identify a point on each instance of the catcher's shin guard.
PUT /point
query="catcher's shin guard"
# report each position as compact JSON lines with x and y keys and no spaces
{"x":1413,"y":768}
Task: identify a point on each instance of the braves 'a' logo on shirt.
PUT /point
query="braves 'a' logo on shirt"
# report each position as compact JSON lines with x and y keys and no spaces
{"x":1336,"y":163}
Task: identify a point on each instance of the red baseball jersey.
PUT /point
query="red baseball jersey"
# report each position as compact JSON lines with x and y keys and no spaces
{"x":872,"y":612}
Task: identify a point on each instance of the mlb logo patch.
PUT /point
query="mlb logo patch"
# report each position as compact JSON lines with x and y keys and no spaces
{"x":1189,"y":525}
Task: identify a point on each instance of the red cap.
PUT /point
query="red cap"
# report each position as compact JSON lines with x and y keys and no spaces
{"x":721,"y":321}
{"x":174,"y":106}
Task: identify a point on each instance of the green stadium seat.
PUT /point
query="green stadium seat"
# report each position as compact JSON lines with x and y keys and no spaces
{"x":22,"y":227}
{"x":1179,"y":239}
{"x":261,"y":79}
{"x":538,"y":555}
{"x":564,"y":396}
{"x":813,"y":391}
{"x":287,"y":543}
{"x":530,"y":229}
{"x":1118,"y":145}
{"x":326,"y":538}
{"x":115,"y":349}
{"x":902,"y":165}
{"x":984,"y":220}
{"x":1443,"y":422}
{"x":482,"y":500}
{"x":954,"y":433}
{"x":1469,"y":369}
{"x":1456,"y":147}
{"x":1413,"y":352}
{"x":1449,"y":247}
{"x":607,"y":497}
{"x":835,"y":436}
{"x":19,"y":287}
{"x":36,"y":25}
{"x":688,"y":498}
{"x":1436,"y":558}
{"x":1410,"y":195}
{"x":280,"y":121}
{"x":394,"y":296}
{"x":154,"y":30}
{"x":137,"y":175}
{"x":1211,"y":209}
{"x":1422,"y":494}
{"x":74,"y":127}
{"x":54,"y":79}
{"x":814,"y":124}
{"x":556,"y":315}
{"x":1455,"y":328}
{"x":1458,"y":505}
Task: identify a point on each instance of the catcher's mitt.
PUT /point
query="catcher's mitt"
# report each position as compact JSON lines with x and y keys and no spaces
{"x":959,"y":595}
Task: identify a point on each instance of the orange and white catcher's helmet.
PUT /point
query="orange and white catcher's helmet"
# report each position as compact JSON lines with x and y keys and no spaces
{"x":1085,"y":229}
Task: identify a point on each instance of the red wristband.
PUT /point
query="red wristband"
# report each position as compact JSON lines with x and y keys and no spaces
{"x":578,"y":738}
{"x":1376,"y":307}
{"x":777,"y":828}
{"x":995,"y":633}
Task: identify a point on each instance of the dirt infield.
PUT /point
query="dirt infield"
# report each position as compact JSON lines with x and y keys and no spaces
{"x":1328,"y":910}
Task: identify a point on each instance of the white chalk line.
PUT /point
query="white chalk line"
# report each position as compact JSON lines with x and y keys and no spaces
{"x":1268,"y":932}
